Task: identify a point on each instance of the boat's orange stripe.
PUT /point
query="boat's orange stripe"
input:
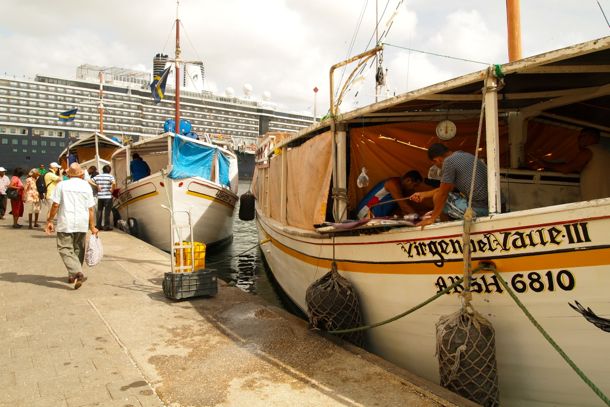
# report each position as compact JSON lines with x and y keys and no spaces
{"x":210,"y":198}
{"x":542,"y":261}
{"x":139,"y":198}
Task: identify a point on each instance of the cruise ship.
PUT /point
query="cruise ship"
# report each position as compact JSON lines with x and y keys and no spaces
{"x":31,"y":134}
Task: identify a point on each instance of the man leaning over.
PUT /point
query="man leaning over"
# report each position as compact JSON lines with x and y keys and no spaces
{"x":73,"y":204}
{"x":456,"y":175}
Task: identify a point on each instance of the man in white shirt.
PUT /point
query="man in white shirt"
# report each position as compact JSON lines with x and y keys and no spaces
{"x":4,"y":183}
{"x":73,"y":204}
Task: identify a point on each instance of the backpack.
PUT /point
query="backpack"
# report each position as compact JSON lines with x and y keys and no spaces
{"x":41,"y":187}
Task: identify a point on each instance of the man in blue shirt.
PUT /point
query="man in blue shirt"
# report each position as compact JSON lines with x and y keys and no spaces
{"x":138,"y":167}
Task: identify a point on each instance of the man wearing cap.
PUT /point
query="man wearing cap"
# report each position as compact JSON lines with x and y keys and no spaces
{"x":73,"y":203}
{"x":51,"y":179}
{"x":4,"y":183}
{"x":456,"y":175}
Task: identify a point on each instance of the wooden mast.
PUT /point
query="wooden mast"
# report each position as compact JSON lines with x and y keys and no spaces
{"x":513,"y":18}
{"x":177,"y":68}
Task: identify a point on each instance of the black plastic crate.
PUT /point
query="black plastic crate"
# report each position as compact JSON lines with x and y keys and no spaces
{"x":187,"y":285}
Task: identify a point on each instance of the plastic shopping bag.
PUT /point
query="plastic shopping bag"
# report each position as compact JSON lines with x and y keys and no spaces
{"x":95,"y":251}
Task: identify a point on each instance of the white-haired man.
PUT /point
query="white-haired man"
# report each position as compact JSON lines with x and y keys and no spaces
{"x":73,"y":203}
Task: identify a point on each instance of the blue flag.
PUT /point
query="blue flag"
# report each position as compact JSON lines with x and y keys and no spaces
{"x":68,"y":116}
{"x":157,"y":87}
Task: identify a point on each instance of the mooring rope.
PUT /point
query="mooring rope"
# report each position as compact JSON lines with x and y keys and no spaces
{"x":550,"y":340}
{"x":481,"y":267}
{"x":469,"y":213}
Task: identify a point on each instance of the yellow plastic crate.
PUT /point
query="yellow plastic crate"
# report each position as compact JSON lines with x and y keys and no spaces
{"x":183,"y":257}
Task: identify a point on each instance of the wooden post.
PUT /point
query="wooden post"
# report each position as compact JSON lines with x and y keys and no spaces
{"x":177,"y":68}
{"x":492,"y":134}
{"x":340,"y":173}
{"x":284,"y":187}
{"x":513,"y":19}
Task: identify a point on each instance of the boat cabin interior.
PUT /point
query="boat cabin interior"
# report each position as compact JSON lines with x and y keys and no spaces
{"x":85,"y":151}
{"x":196,"y":158}
{"x":534,"y":109}
{"x":153,"y":151}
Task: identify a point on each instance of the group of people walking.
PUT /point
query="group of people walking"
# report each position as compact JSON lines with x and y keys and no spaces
{"x":69,"y":196}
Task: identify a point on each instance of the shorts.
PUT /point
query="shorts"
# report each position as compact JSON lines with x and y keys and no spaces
{"x":456,"y":206}
{"x":31,"y":207}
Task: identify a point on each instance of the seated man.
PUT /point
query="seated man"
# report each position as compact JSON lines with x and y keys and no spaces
{"x":390,"y":195}
{"x":591,"y":161}
{"x":456,"y":174}
{"x":138,"y":167}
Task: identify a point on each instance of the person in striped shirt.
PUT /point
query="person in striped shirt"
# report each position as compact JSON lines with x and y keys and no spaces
{"x":105,"y":184}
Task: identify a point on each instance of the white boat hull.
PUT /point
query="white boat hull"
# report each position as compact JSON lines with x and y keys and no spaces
{"x":551,"y":256}
{"x":211,"y":209}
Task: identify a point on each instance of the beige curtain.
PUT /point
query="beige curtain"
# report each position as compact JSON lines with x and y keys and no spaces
{"x":309,"y":173}
{"x":275,"y":186}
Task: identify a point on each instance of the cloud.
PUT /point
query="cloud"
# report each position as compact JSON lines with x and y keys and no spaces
{"x":285,"y":47}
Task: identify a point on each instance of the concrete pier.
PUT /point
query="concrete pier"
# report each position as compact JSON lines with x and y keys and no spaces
{"x":117,"y":341}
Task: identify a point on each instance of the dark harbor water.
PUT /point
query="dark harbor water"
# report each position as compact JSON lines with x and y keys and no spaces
{"x":240,"y":263}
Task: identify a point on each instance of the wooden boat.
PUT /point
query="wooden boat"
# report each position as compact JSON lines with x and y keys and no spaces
{"x":96,"y":148}
{"x":207,"y":190}
{"x":551,"y":247}
{"x":195,"y":181}
{"x":93,"y":150}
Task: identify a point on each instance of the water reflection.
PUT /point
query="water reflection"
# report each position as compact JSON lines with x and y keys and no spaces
{"x":240,"y":263}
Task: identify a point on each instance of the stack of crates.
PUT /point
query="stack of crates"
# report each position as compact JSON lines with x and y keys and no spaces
{"x":189,"y":277}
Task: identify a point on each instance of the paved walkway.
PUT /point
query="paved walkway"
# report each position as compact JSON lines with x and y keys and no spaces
{"x":117,"y":341}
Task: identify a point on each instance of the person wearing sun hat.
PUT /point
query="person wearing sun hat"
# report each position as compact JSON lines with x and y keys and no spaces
{"x":73,"y":203}
{"x":4,"y":183}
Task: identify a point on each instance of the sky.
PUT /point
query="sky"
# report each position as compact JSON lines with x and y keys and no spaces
{"x":286,"y":47}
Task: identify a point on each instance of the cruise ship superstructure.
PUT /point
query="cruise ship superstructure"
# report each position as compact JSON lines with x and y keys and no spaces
{"x":30,"y":133}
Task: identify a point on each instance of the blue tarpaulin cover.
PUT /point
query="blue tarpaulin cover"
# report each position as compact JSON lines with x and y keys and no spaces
{"x":195,"y":160}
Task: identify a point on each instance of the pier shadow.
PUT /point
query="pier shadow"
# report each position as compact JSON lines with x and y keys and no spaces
{"x":112,"y":257}
{"x":37,"y":279}
{"x":152,"y":287}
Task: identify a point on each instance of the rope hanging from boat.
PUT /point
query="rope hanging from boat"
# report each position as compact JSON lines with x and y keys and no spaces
{"x":469,"y":214}
{"x":465,"y":340}
{"x":550,"y":340}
